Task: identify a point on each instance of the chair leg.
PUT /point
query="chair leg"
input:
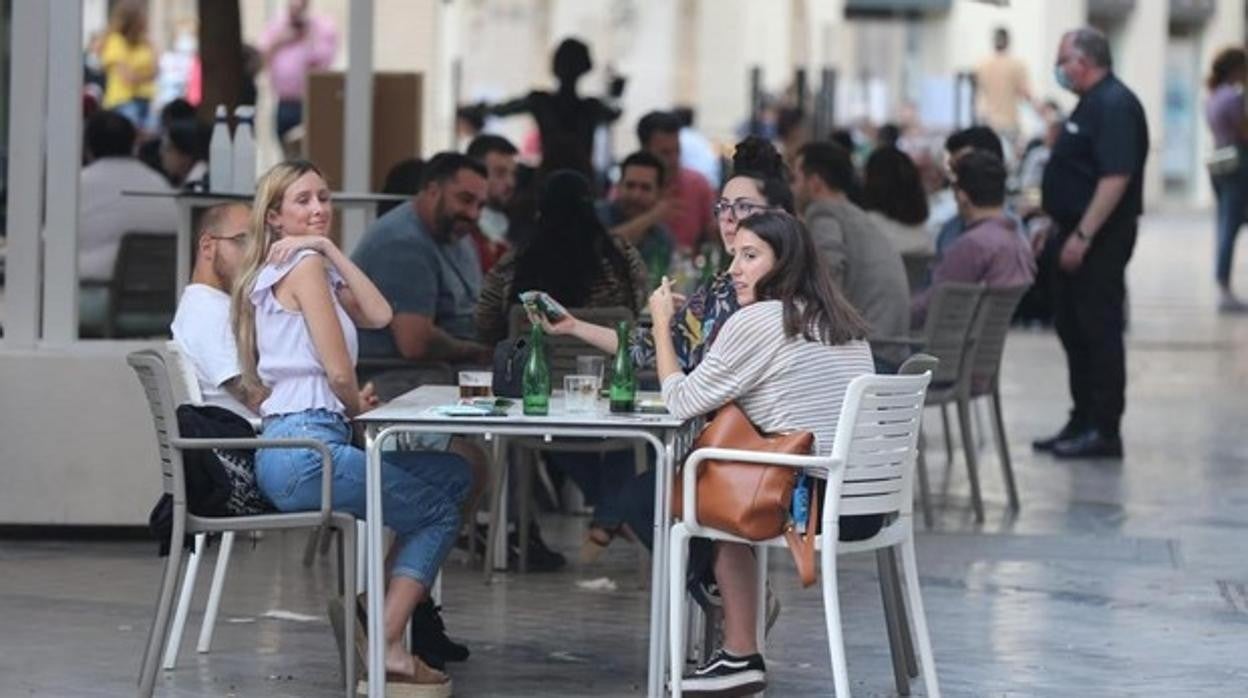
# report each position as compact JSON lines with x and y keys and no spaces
{"x":899,"y":596}
{"x":643,"y":558}
{"x":925,"y":489}
{"x":1003,"y":449}
{"x":361,"y":562}
{"x":350,"y":542}
{"x":174,"y":644}
{"x":160,"y":623}
{"x":214,"y":593}
{"x":944,"y":422}
{"x":327,"y":539}
{"x":910,"y":571}
{"x":832,"y":612}
{"x":760,"y":607}
{"x":309,"y":549}
{"x":678,"y":560}
{"x":894,"y":618}
{"x":977,"y":424}
{"x":972,"y":464}
{"x":524,"y":506}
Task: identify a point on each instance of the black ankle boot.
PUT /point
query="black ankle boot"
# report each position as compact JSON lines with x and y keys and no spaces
{"x":429,"y":640}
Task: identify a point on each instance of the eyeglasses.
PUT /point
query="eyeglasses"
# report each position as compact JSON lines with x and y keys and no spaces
{"x":237,"y":238}
{"x":740,"y":208}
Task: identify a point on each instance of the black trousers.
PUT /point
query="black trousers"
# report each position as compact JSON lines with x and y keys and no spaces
{"x":1090,"y":318}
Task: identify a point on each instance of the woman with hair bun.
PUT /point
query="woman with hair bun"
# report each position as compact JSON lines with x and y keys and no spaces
{"x":759,"y":183}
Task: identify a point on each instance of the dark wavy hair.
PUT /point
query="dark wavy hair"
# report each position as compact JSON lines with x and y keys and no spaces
{"x":757,"y":159}
{"x":891,"y":185}
{"x":1226,"y":64}
{"x":568,"y":244}
{"x":813,"y":306}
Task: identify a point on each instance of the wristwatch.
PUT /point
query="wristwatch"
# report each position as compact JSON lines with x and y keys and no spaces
{"x":1082,"y":235}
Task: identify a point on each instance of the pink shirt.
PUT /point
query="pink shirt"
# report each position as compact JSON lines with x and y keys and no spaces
{"x":989,"y":252}
{"x":289,"y":64}
{"x":697,"y":199}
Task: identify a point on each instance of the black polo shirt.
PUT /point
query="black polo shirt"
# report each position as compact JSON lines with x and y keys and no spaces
{"x":1105,"y":135}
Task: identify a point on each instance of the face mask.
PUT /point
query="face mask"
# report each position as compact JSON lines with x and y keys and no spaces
{"x":1063,"y":79}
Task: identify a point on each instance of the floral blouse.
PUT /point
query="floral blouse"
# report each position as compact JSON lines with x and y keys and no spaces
{"x":694,"y":326}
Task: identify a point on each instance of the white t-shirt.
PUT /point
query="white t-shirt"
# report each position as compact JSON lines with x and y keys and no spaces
{"x":107,"y":214}
{"x":201,"y":327}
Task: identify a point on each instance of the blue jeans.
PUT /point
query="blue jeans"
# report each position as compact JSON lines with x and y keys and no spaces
{"x":1232,"y":193}
{"x":422,"y":491}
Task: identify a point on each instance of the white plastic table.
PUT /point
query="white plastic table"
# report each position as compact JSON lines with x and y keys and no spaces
{"x":188,"y":201}
{"x":411,"y":413}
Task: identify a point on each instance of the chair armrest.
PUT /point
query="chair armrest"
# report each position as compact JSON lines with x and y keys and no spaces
{"x":327,"y":461}
{"x":825,"y":467}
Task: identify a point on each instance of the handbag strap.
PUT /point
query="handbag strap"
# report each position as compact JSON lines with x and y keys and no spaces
{"x":802,"y":545}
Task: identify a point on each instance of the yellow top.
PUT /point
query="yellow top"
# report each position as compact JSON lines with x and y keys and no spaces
{"x":118,"y":56}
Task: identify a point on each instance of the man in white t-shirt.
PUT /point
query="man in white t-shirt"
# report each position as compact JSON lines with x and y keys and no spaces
{"x":201,"y":326}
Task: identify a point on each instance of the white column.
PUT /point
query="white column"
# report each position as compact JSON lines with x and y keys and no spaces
{"x":1142,"y":53}
{"x":1225,"y":28}
{"x":27,"y":91}
{"x":357,"y":122}
{"x":64,"y":124}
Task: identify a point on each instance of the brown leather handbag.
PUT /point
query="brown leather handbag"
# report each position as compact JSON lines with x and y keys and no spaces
{"x":748,"y":499}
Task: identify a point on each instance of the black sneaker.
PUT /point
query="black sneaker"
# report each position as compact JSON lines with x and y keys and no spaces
{"x":429,"y":640}
{"x":727,"y":675}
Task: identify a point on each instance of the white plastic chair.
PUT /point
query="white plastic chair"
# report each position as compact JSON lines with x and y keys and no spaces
{"x":186,"y":391}
{"x":870,"y":471}
{"x":154,"y":373}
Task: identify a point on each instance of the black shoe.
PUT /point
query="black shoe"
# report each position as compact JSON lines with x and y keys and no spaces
{"x":429,"y":640}
{"x":727,"y":675}
{"x":1071,"y":429}
{"x":1090,"y":443}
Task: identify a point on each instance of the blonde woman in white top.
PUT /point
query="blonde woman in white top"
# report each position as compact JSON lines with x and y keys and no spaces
{"x":296,"y":306}
{"x":786,"y":358}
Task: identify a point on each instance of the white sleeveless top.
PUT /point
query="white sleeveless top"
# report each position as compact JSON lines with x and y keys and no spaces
{"x":289,"y":364}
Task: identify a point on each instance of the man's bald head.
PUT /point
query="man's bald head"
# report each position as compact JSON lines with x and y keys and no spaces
{"x":219,"y":244}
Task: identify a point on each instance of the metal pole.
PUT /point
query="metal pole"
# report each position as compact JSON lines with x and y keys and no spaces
{"x":64,"y":144}
{"x":27,"y":91}
{"x":357,"y":136}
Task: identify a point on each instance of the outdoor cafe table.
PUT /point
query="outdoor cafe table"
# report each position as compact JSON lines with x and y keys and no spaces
{"x":415,"y":412}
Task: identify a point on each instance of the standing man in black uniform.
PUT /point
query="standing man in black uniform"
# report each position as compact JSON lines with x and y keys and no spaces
{"x":1093,"y":190}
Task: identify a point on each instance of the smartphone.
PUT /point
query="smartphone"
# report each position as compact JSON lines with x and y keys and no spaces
{"x":540,"y":301}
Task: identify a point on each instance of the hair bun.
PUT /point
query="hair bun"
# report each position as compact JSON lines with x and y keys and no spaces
{"x":758,"y":155}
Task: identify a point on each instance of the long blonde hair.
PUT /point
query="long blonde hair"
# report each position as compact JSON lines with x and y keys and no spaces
{"x":270,"y":191}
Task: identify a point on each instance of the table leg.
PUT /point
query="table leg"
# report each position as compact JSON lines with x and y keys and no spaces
{"x":659,"y":567}
{"x":376,"y":571}
{"x":498,"y":512}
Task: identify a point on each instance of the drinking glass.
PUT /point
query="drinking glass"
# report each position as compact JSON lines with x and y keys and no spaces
{"x":590,"y":365}
{"x":474,"y":384}
{"x":580,"y":393}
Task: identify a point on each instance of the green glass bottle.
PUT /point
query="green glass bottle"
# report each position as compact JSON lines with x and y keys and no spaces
{"x":623,"y":383}
{"x":535,"y":381}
